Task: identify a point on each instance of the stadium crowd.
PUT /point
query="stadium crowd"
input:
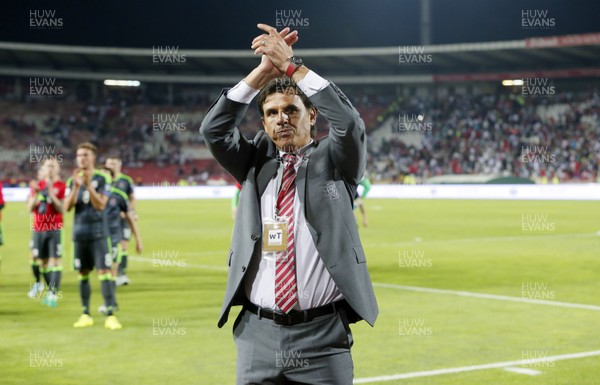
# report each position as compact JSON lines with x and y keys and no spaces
{"x":493,"y":134}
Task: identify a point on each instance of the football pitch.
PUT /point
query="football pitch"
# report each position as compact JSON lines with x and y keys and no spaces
{"x":470,"y":293}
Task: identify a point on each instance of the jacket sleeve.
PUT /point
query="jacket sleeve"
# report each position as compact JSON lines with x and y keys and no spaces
{"x":223,"y":138}
{"x":347,"y":136}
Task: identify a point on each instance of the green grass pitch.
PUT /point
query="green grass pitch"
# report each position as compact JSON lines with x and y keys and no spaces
{"x":532,"y":249}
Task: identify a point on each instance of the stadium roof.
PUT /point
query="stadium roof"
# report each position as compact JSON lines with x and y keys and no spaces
{"x":558,"y":56}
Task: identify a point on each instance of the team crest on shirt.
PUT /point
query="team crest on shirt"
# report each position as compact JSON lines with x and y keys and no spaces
{"x":122,"y":185}
{"x":94,"y":184}
{"x":332,"y":190}
{"x":113,"y":202}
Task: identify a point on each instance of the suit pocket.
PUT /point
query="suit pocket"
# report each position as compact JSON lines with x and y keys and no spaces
{"x":360,"y":254}
{"x":348,"y":338}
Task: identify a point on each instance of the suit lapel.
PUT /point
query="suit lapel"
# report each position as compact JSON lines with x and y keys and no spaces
{"x":266,"y":173}
{"x":301,"y":175}
{"x":269,"y":170}
{"x":301,"y":179}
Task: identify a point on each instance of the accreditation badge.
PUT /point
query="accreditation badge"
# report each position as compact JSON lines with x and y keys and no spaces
{"x":275,"y":232}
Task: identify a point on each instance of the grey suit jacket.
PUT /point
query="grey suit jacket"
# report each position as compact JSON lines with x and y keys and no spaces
{"x":326,"y":181}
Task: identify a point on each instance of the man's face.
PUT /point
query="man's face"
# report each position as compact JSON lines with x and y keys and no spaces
{"x":85,"y":158}
{"x":52,"y":168}
{"x":287,"y":121}
{"x":110,"y":164}
{"x":42,"y":172}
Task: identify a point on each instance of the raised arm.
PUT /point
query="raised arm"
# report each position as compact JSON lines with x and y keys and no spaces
{"x":220,"y":125}
{"x":223,"y":138}
{"x":97,"y":199}
{"x":74,"y":184}
{"x":347,"y":136}
{"x":348,"y":148}
{"x":57,"y":202}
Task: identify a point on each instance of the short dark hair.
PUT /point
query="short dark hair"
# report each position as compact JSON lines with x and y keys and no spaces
{"x":284,"y":85}
{"x":88,"y":146}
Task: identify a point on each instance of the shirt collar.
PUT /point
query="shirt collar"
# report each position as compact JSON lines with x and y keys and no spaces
{"x":300,"y":152}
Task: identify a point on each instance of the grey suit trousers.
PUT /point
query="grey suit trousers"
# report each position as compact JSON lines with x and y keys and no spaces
{"x":316,"y":352}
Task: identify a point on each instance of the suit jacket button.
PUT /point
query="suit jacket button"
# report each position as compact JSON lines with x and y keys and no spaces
{"x":243,"y":269}
{"x":254,"y":237}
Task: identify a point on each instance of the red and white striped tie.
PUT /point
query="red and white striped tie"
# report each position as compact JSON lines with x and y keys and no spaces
{"x":285,"y":268}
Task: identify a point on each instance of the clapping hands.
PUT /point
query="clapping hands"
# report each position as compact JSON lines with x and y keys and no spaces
{"x":276,"y":48}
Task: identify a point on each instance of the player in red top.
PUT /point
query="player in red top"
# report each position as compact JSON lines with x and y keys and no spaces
{"x":47,"y":206}
{"x":37,"y":287}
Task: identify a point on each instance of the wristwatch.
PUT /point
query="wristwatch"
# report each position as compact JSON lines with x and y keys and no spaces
{"x":295,"y":63}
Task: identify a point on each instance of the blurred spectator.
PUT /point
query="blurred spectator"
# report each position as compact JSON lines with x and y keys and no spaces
{"x":547,"y":139}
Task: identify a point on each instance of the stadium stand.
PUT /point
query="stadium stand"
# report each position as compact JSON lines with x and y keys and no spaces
{"x":493,"y":134}
{"x":423,"y":121}
{"x":482,"y":134}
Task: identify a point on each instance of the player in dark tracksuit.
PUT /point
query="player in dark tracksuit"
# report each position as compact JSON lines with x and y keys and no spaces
{"x":118,"y":203}
{"x":124,"y":183}
{"x":89,"y":190}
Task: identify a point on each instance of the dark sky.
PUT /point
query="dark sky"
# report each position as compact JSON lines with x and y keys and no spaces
{"x":228,"y":24}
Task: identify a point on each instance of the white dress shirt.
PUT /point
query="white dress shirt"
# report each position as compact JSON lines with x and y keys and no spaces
{"x":315,"y":286}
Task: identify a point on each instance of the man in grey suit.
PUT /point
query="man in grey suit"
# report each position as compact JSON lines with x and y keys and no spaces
{"x":296,"y":263}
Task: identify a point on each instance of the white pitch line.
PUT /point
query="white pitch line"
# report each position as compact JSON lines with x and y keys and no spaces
{"x":437,"y":372}
{"x":527,"y":371}
{"x":488,"y":296}
{"x":413,"y":288}
{"x":487,"y":239}
{"x":207,"y":267}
